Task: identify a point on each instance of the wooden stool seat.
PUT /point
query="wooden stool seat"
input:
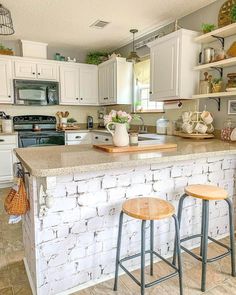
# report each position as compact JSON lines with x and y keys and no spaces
{"x":148,"y":208}
{"x":206,"y":192}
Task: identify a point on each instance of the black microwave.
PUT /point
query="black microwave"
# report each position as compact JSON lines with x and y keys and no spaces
{"x":28,"y":92}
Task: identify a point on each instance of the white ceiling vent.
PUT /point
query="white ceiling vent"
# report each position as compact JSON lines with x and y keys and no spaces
{"x":99,"y":24}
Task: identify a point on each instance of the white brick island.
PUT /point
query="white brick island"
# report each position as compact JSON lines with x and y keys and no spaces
{"x":76,"y":194}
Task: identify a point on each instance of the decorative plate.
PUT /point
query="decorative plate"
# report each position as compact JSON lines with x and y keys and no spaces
{"x":233,"y":135}
{"x":224,"y":18}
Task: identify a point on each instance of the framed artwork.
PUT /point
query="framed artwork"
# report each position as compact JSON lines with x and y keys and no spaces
{"x":232,"y":107}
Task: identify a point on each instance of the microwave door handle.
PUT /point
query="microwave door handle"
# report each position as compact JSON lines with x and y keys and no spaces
{"x":47,"y":98}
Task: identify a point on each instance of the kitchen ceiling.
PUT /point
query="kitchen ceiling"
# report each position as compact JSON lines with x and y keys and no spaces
{"x":67,"y":22}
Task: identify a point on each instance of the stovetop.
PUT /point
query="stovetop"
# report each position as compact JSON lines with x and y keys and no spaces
{"x":28,"y":123}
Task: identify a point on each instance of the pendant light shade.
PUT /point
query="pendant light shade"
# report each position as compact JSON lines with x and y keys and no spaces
{"x":6,"y":25}
{"x":133,"y":56}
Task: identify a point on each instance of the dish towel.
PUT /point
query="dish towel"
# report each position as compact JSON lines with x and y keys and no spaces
{"x":16,"y":202}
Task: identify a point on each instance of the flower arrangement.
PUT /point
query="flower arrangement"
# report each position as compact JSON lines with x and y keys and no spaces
{"x":117,"y":117}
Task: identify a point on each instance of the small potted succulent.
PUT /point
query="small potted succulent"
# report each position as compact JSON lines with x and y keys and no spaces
{"x":206,"y":28}
{"x":217,"y":85}
{"x":96,"y":57}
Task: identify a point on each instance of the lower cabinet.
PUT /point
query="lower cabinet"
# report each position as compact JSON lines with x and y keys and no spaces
{"x":73,"y":138}
{"x":98,"y":138}
{"x":7,"y":158}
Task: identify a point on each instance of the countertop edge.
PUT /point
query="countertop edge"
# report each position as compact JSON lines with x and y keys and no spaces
{"x":118,"y":165}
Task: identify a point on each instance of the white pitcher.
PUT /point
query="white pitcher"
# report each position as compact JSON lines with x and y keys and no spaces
{"x":120,"y":135}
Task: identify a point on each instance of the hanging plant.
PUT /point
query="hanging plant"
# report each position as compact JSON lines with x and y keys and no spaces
{"x":96,"y":57}
{"x":233,"y":13}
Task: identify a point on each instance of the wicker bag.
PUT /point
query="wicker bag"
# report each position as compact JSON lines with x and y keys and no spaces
{"x":16,"y":203}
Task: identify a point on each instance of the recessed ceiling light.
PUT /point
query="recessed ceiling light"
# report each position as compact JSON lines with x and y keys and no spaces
{"x":99,"y":24}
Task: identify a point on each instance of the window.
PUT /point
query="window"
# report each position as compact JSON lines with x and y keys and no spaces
{"x":142,"y":87}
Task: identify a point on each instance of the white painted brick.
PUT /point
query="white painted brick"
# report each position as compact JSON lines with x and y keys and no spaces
{"x":176,"y":171}
{"x":148,"y":176}
{"x":94,"y":248}
{"x":85,"y":239}
{"x":76,"y":253}
{"x":88,"y":212}
{"x":94,"y":223}
{"x":187,"y":170}
{"x":88,"y":175}
{"x":71,"y":189}
{"x":123,"y":180}
{"x":215,"y":159}
{"x":161,"y":174}
{"x":82,"y":186}
{"x":109,"y":182}
{"x":79,"y":227}
{"x":215,"y":166}
{"x":226,"y":164}
{"x":60,"y":190}
{"x":63,"y":231}
{"x":198,"y":179}
{"x":92,"y":198}
{"x":71,"y":215}
{"x":108,"y":209}
{"x":164,"y":185}
{"x":229,"y":174}
{"x":139,"y":190}
{"x":161,"y":166}
{"x":215,"y":177}
{"x":64,"y":178}
{"x":52,"y":220}
{"x":46,"y":235}
{"x":137,"y":178}
{"x":116,"y":194}
{"x":62,"y":204}
{"x":94,"y":185}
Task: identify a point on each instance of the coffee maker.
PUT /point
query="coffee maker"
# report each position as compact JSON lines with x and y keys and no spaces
{"x":90,"y":122}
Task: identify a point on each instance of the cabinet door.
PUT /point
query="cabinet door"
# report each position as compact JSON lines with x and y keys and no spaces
{"x":6,"y":160}
{"x":164,"y":69}
{"x":88,"y":85}
{"x":25,"y":69}
{"x":110,"y":80}
{"x":6,"y":95}
{"x":102,"y":85}
{"x":69,"y":82}
{"x":47,"y":71}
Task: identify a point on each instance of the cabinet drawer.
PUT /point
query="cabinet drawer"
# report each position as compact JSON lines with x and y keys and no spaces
{"x":101,"y":139}
{"x":8,"y":139}
{"x":78,"y":136}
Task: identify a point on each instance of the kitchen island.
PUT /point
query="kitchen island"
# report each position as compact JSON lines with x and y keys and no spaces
{"x":76,"y":193}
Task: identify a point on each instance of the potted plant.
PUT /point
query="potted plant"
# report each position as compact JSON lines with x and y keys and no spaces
{"x":217,"y":84}
{"x":206,"y":28}
{"x":96,"y":57}
{"x":233,"y":14}
{"x":5,"y":51}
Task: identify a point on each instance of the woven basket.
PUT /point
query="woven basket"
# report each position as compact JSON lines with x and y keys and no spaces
{"x":16,"y":203}
{"x":224,"y":17}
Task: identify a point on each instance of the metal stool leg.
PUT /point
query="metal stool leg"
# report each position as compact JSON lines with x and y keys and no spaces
{"x":180,"y":209}
{"x":143,"y":257}
{"x":178,"y":253}
{"x":151,"y":246}
{"x":204,"y":242}
{"x":232,"y":242}
{"x":118,"y":250}
{"x":202,"y":225}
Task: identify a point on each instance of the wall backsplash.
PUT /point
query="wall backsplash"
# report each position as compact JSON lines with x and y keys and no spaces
{"x":79,"y":113}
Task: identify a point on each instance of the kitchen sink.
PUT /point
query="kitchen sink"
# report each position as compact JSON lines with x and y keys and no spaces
{"x":146,"y":138}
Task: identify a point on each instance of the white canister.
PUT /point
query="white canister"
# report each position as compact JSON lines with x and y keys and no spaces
{"x":7,"y":126}
{"x":161,"y":126}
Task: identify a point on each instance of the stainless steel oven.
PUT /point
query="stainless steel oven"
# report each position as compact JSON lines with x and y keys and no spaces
{"x":28,"y":92}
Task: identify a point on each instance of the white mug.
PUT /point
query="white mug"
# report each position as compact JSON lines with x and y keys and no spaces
{"x":210,"y":128}
{"x":187,"y":127}
{"x":201,"y":128}
{"x":207,"y":117}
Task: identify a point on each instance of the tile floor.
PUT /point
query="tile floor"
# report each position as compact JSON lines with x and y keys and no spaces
{"x":13,"y":278}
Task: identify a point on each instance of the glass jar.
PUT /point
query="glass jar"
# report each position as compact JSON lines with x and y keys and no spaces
{"x":161,"y":125}
{"x":133,"y":139}
{"x":227,"y":129}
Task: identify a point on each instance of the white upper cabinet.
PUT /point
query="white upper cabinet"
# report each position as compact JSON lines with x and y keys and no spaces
{"x":172,"y":60}
{"x":69,"y":85}
{"x":88,"y":85}
{"x":33,"y":70}
{"x":79,"y":84}
{"x":115,"y":82}
{"x":6,"y":93}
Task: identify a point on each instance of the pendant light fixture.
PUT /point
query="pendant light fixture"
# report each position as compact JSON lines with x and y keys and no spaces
{"x":6,"y":25}
{"x":133,"y":56}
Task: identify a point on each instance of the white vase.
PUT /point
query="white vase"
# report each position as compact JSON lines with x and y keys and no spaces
{"x":120,"y":135}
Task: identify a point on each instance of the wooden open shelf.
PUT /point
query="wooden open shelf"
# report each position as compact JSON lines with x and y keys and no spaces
{"x":229,"y":62}
{"x":221,"y":32}
{"x":215,"y":95}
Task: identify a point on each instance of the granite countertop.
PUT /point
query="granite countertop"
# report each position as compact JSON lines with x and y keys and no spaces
{"x":88,"y":130}
{"x":64,"y":160}
{"x":10,"y":133}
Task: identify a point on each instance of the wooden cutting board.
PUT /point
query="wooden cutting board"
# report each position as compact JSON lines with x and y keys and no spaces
{"x":195,"y":135}
{"x":115,"y":149}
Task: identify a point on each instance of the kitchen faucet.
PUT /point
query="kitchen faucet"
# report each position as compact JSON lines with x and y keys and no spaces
{"x":142,"y":128}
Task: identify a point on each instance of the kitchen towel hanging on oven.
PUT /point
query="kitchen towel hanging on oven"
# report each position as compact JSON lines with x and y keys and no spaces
{"x":17,"y":203}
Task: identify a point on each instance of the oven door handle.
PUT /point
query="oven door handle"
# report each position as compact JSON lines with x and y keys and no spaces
{"x":47,"y":98}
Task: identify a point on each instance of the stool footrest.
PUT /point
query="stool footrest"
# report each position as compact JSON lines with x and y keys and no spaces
{"x":198,"y":257}
{"x":162,"y":279}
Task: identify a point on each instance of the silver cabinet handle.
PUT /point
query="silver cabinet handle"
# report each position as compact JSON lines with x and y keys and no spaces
{"x":2,"y":140}
{"x":78,"y":136}
{"x":106,"y":139}
{"x":96,"y":137}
